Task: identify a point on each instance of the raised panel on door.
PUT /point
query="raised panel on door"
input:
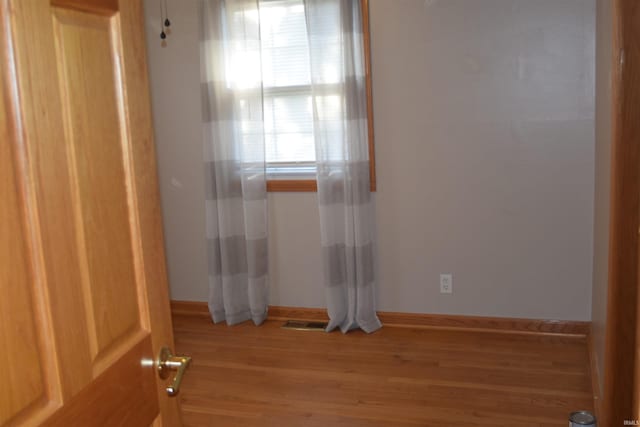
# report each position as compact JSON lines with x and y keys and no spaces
{"x":97,"y":142}
{"x":28,"y":372}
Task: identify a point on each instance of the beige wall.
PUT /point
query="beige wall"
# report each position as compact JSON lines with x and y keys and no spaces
{"x":602,"y":177}
{"x":484,"y":117}
{"x":175,"y":96}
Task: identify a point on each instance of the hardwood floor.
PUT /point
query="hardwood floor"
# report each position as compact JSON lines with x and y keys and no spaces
{"x":268,"y":376}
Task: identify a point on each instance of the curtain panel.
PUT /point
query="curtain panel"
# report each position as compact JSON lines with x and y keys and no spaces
{"x":234,"y":157}
{"x":336,"y":46}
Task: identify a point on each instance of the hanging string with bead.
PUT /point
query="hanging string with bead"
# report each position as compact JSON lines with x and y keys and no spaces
{"x":165,"y":23}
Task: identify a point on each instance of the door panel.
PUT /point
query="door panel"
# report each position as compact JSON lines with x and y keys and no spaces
{"x":87,"y":307}
{"x":24,"y":354}
{"x":136,"y":405}
{"x":87,"y":54}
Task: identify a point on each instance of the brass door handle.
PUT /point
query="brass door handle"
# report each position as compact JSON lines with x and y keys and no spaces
{"x":168,"y":362}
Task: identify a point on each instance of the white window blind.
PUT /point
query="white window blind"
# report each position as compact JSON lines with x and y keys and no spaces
{"x":288,"y":119}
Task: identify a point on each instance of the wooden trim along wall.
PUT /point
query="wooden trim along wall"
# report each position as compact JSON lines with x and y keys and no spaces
{"x":415,"y":320}
{"x":190,"y":308}
{"x":366,"y":31}
{"x":620,"y":400}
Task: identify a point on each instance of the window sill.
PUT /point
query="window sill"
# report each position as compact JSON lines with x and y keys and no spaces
{"x":292,"y":185}
{"x":297,"y":186}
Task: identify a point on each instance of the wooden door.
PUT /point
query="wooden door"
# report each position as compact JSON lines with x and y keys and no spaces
{"x":83,"y":292}
{"x":622,"y":353}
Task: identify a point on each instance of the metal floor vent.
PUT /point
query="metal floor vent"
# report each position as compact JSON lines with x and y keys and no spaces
{"x":303,"y":325}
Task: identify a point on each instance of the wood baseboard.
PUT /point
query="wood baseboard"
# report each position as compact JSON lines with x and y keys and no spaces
{"x":190,"y":308}
{"x":595,"y":376}
{"x":417,"y":320}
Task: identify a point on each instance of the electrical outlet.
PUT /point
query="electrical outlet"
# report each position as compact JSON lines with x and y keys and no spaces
{"x":446,"y":283}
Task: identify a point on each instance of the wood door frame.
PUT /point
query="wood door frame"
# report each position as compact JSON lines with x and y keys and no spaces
{"x":622,"y":359}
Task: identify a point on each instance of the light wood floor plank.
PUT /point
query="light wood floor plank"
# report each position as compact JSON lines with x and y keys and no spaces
{"x":268,"y":376}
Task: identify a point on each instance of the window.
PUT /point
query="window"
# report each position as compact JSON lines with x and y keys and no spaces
{"x":287,"y":105}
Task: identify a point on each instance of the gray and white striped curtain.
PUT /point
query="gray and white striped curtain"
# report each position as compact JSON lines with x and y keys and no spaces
{"x":233,"y":135}
{"x":336,"y":47}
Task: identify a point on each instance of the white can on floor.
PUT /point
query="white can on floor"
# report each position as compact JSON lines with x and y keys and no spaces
{"x":582,"y":419}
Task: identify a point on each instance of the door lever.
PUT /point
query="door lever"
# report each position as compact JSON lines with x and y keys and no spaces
{"x":168,"y":362}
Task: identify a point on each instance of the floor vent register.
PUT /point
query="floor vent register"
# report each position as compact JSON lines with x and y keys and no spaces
{"x":303,"y":325}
